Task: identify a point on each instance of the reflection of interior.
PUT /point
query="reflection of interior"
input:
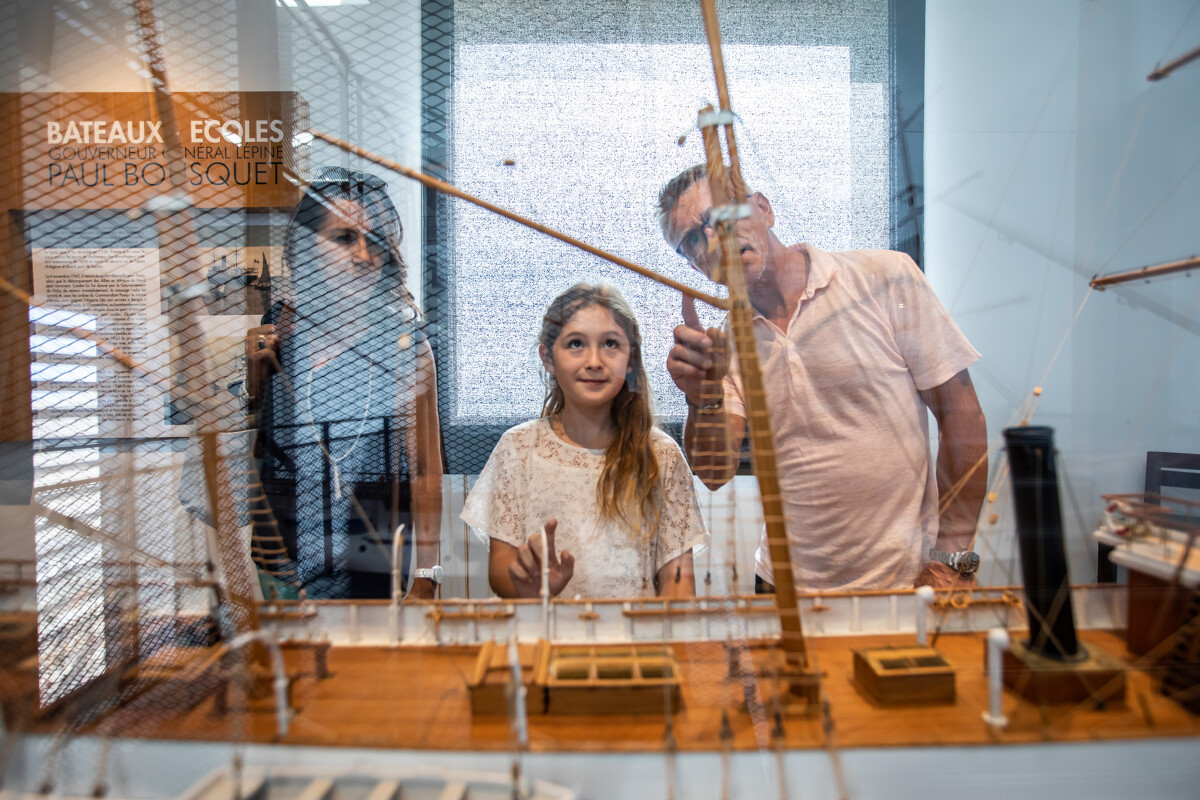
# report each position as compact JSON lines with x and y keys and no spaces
{"x":181,"y":594}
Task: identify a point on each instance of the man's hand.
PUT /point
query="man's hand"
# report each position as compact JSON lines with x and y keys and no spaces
{"x":941,"y":576}
{"x":697,"y":356}
{"x":526,"y":571}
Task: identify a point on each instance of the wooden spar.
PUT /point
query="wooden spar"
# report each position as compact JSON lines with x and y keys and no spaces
{"x":1145,"y":273}
{"x":722,"y":180}
{"x":178,"y":244}
{"x":450,"y":189}
{"x":712,"y":29}
{"x":1166,"y":69}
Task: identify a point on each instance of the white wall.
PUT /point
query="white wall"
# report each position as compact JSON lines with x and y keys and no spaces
{"x":1049,"y":159}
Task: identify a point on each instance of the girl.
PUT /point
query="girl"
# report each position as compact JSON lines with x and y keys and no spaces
{"x":342,"y":377}
{"x":610,"y":493}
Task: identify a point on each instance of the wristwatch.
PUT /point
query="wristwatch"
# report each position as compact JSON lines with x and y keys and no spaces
{"x":964,"y":562}
{"x":710,"y":406}
{"x":433,"y":573}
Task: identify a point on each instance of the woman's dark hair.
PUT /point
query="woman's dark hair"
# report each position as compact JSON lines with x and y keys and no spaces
{"x":319,"y":199}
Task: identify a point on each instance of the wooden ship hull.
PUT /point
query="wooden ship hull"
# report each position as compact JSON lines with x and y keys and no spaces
{"x":359,"y":698}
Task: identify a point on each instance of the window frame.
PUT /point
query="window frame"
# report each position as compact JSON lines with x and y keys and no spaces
{"x":467,"y":445}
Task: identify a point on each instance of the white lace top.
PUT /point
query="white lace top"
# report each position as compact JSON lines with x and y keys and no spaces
{"x":533,"y":476}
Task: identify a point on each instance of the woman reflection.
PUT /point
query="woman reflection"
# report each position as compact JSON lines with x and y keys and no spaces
{"x":346,"y":395}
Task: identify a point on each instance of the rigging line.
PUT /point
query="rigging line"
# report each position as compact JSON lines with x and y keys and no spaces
{"x":1093,"y":553}
{"x":1143,"y":662}
{"x":1150,"y":393}
{"x":1116,"y":179}
{"x":1062,"y":70}
{"x":1058,"y":351}
{"x":1026,"y":411}
{"x":743,"y":132}
{"x":1149,"y":214}
{"x":1050,"y":261}
{"x":1115,"y":184}
{"x":446,"y":188}
{"x":1178,"y":30}
{"x":999,"y":478}
{"x":1009,"y":572}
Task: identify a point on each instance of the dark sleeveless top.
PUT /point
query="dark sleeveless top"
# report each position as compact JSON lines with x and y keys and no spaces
{"x":331,"y":452}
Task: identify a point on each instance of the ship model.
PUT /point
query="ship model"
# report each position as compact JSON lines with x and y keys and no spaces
{"x":470,"y":698}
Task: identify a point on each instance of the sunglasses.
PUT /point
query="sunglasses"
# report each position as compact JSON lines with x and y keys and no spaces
{"x":345,"y":178}
{"x":694,"y":244}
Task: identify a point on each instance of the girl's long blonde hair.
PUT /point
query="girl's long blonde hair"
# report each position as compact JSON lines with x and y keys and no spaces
{"x":629,"y":481}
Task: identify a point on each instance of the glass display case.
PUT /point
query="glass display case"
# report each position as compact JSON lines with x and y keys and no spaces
{"x":297,"y":469}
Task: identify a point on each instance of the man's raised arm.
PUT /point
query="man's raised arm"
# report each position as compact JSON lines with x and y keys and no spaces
{"x":697,"y":363}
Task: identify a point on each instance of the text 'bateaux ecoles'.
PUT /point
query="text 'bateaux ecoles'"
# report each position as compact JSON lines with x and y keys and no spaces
{"x":217,"y":152}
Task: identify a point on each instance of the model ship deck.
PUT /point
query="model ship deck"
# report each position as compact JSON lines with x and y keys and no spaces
{"x":417,"y":698}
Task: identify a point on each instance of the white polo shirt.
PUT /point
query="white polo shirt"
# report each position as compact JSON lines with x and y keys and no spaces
{"x":852,"y":434}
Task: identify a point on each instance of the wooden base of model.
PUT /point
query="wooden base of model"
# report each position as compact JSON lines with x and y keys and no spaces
{"x":911,"y":675}
{"x":1097,"y":676}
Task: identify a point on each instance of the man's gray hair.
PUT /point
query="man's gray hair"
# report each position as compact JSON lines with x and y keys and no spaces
{"x":669,"y":196}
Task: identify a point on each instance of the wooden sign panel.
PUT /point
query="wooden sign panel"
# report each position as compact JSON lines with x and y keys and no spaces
{"x":112,"y":151}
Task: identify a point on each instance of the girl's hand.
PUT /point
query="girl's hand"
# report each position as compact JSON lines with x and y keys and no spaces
{"x":526,"y":571}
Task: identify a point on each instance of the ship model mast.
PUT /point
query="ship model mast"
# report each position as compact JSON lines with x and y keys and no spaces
{"x":729,"y":204}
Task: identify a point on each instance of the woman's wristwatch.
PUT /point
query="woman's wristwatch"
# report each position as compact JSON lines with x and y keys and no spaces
{"x":433,"y":573}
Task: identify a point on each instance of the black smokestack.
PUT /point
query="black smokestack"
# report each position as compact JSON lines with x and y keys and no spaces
{"x":1040,"y":535}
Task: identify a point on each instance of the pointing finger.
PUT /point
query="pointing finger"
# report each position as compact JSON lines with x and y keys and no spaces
{"x":551,"y":556}
{"x":690,"y":317}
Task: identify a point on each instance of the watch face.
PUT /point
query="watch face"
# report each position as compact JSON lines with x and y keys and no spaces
{"x":968,"y":563}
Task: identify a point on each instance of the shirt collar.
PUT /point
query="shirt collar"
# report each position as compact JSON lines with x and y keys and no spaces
{"x":821,"y":268}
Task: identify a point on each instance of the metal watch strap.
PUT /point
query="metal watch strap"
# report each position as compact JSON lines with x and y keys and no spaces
{"x":433,"y":573}
{"x":964,"y":562}
{"x":714,"y":405}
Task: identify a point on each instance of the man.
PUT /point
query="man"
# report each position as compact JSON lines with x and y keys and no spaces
{"x":853,"y":348}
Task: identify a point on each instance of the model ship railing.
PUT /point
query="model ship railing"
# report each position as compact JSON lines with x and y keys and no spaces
{"x":745,"y":617}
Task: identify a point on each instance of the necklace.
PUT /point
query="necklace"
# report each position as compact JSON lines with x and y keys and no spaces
{"x":337,"y":475}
